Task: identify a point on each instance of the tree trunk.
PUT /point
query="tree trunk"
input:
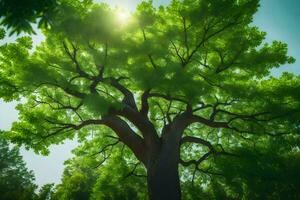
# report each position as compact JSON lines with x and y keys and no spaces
{"x":162,"y":175}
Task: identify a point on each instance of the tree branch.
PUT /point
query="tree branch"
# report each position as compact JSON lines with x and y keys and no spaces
{"x":206,"y":38}
{"x":167,"y":97}
{"x":195,"y":162}
{"x":128,"y":96}
{"x":73,"y":56}
{"x":119,"y":126}
{"x":144,"y":101}
{"x":105,"y":148}
{"x":191,"y":139}
{"x":127,"y":136}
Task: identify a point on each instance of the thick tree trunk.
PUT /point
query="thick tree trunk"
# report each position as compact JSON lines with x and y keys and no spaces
{"x":164,"y":184}
{"x":163,"y":177}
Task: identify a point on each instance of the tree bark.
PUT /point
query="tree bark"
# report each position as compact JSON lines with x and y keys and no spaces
{"x":162,"y":174}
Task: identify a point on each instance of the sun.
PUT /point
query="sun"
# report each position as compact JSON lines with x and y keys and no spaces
{"x":123,"y":16}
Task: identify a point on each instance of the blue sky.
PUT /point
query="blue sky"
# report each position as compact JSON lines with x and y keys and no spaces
{"x":279,"y":18}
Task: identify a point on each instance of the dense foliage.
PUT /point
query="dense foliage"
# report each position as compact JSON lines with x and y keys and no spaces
{"x":16,"y":181}
{"x":106,"y":173}
{"x":20,"y":15}
{"x":257,"y":174}
{"x":184,"y":84}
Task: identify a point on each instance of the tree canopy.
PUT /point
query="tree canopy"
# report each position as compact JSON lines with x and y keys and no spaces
{"x":87,"y":177}
{"x":19,"y":16}
{"x":16,"y":181}
{"x":189,"y":84}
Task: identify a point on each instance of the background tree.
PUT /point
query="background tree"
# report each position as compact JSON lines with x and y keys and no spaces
{"x":16,"y":181}
{"x":184,"y":84}
{"x":110,"y":172}
{"x":46,"y":192}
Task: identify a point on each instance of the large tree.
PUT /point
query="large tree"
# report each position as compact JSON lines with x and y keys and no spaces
{"x":186,"y":84}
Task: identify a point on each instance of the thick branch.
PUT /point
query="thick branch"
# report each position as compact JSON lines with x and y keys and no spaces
{"x":210,"y":123}
{"x":167,"y":97}
{"x":119,"y":126}
{"x":195,"y":162}
{"x":128,"y":96}
{"x":145,"y":105}
{"x":190,"y":139}
{"x":143,"y":124}
{"x":127,"y":136}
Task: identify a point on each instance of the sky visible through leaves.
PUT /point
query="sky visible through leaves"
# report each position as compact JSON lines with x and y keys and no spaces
{"x":278,"y":18}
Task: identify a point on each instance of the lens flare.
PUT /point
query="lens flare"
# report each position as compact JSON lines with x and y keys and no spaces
{"x":123,"y":16}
